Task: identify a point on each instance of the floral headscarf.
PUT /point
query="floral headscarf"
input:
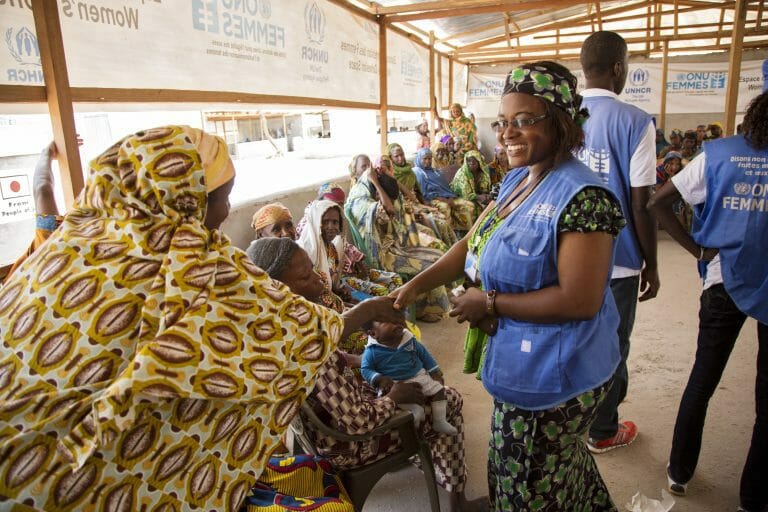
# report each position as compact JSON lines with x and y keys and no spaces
{"x":440,"y":163}
{"x":545,"y":82}
{"x":269,"y":214}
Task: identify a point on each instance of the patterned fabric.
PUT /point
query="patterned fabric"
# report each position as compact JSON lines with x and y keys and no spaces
{"x":270,"y":214}
{"x":300,"y":482}
{"x":467,"y":185}
{"x":548,"y":84}
{"x":145,"y":361}
{"x":44,"y":226}
{"x":591,"y":210}
{"x":538,"y":460}
{"x":343,"y":400}
{"x":393,"y":241}
{"x":332,"y":191}
{"x":498,"y":168}
{"x":464,"y":128}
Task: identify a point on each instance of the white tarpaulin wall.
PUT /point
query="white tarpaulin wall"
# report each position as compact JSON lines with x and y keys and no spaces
{"x":444,"y":77}
{"x":691,"y":87}
{"x":460,"y":84}
{"x":309,"y":48}
{"x":407,"y":72}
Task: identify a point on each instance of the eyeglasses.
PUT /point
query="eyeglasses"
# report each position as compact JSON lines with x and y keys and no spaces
{"x":502,"y":124}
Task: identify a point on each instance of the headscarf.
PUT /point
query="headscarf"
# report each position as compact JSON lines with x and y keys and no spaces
{"x":332,"y":192}
{"x":272,"y":254}
{"x":440,"y":163}
{"x":419,"y":160}
{"x":461,"y":110}
{"x":269,"y":214}
{"x":464,"y":181}
{"x":547,"y":83}
{"x":445,"y":138}
{"x":671,"y":155}
{"x":403,"y":173}
{"x":149,"y":339}
{"x":214,"y":157}
{"x":311,"y":238}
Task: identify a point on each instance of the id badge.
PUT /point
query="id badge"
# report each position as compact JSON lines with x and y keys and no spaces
{"x":470,"y":267}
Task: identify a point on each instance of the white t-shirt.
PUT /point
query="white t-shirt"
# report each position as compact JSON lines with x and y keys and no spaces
{"x":692,"y":185}
{"x":642,"y":167}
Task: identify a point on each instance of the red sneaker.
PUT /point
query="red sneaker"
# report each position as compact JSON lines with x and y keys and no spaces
{"x":624,"y":436}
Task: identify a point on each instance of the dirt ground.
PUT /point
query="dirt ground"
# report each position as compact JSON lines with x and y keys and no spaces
{"x":663,"y":347}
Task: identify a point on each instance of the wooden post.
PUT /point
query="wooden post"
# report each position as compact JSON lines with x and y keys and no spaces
{"x":439,"y":81}
{"x":384,"y":123}
{"x":59,"y":96}
{"x":450,"y":82}
{"x":432,"y":101}
{"x":734,"y":66}
{"x":664,"y":72}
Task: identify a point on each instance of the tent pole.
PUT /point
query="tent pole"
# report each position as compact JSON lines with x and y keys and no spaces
{"x":384,"y":123}
{"x":734,"y":66}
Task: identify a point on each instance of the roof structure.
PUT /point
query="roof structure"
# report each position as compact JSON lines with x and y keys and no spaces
{"x":495,"y":31}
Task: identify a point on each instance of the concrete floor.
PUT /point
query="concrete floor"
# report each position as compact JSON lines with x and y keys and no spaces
{"x":663,"y":346}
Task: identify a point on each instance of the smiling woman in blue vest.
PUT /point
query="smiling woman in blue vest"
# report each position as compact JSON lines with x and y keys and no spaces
{"x":538,"y":262}
{"x":727,"y":184}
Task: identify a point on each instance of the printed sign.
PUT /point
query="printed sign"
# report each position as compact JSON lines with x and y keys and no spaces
{"x":16,"y":201}
{"x":407,"y":72}
{"x":691,"y":87}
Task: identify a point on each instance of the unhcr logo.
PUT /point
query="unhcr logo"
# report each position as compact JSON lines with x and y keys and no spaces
{"x":23,"y":46}
{"x":639,"y":77}
{"x":314,"y":23}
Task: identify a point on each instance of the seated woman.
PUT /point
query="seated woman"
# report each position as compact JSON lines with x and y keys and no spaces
{"x":390,"y":236}
{"x":499,"y":167}
{"x":473,"y":182}
{"x":141,"y":350}
{"x":273,"y":219}
{"x":350,"y":405}
{"x":426,"y":215}
{"x":359,"y":164}
{"x":436,"y":190}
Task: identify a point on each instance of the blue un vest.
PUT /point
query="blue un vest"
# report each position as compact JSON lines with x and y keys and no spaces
{"x":531,"y":365}
{"x":612,"y":134}
{"x":734,"y":218}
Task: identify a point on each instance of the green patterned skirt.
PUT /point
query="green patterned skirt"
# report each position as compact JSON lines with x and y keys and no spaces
{"x":538,"y":460}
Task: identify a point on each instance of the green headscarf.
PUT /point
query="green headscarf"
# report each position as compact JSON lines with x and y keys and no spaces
{"x":403,"y":173}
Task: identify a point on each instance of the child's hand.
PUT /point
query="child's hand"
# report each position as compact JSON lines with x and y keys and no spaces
{"x":438,"y":376}
{"x":384,"y":384}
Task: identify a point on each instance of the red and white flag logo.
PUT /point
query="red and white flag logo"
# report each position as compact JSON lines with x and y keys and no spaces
{"x":15,"y":186}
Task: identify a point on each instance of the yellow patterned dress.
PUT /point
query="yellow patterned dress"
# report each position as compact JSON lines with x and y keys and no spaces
{"x":146,"y":363}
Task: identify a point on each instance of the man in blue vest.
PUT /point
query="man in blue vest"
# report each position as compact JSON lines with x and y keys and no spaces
{"x":620,"y":147}
{"x":728,"y":186}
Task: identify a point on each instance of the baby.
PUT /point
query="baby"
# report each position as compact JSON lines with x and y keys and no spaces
{"x":394,"y":354}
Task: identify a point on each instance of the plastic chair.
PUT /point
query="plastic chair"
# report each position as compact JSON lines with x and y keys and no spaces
{"x":359,"y":482}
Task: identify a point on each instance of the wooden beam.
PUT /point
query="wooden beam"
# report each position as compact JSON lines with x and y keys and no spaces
{"x":677,"y":16}
{"x":552,"y":26}
{"x":433,"y":6}
{"x":499,"y":6}
{"x":383,"y":97}
{"x":629,"y":40}
{"x":354,"y":9}
{"x":432,"y":96}
{"x":751,"y":24}
{"x":722,"y":19}
{"x":22,"y":94}
{"x":760,"y":10}
{"x":664,"y":74}
{"x":450,"y":81}
{"x":599,"y":16}
{"x":506,"y":30}
{"x":734,"y":66}
{"x":439,"y":81}
{"x":53,"y":59}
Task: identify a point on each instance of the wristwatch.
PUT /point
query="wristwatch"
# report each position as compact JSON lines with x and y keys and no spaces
{"x":490,"y":302}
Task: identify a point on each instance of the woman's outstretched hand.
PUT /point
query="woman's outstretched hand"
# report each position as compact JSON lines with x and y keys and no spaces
{"x":404,"y":296}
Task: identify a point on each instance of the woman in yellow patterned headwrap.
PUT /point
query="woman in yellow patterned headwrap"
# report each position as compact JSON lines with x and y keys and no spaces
{"x":146,"y":364}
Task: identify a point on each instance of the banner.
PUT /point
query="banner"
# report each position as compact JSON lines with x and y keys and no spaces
{"x":309,"y":48}
{"x":407,"y":72}
{"x":691,"y":87}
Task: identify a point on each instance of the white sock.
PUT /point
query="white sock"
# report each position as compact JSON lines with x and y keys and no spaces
{"x":416,"y":410}
{"x":439,"y":421}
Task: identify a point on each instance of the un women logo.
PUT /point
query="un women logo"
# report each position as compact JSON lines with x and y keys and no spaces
{"x":742,"y":188}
